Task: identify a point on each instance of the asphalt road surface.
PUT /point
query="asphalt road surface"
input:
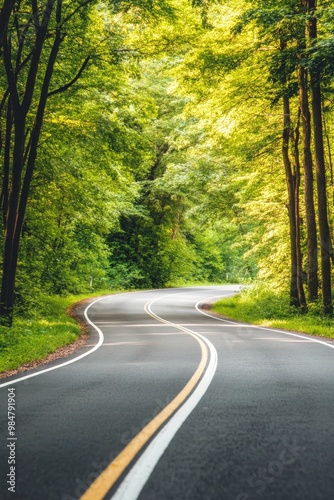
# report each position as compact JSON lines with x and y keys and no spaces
{"x":167,"y":402}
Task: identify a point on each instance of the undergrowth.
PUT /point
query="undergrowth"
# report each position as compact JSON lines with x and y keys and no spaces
{"x":40,"y":331}
{"x":270,"y":308}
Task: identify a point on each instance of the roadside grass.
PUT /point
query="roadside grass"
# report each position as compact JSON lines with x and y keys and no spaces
{"x":42,"y":332}
{"x":43,"y":328}
{"x":270,"y":308}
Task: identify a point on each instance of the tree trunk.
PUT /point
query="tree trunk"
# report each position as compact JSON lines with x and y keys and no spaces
{"x":299,"y":256}
{"x":24,"y":144}
{"x":331,"y":172}
{"x":18,"y":196}
{"x":291,"y":185}
{"x":325,"y":240}
{"x":5,"y":13}
{"x":312,"y":250}
{"x":6,"y":166}
{"x":10,"y":259}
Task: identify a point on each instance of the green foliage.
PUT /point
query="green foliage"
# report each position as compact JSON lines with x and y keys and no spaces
{"x":38,"y":336}
{"x":41,"y":330}
{"x":154,"y":8}
{"x":161,"y":164}
{"x":269,"y":307}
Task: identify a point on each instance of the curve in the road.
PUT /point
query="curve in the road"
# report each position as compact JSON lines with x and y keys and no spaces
{"x":97,"y":345}
{"x":177,"y":412}
{"x":276,"y":330}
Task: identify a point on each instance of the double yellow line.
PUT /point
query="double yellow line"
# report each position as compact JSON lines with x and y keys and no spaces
{"x":100,"y":487}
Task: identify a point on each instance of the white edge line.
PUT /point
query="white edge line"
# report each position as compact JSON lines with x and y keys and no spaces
{"x":101,"y":339}
{"x":243,"y":325}
{"x":135,"y":480}
{"x":41,"y":372}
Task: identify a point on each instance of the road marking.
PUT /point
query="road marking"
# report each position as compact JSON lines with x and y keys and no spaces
{"x":112,"y":344}
{"x":245,"y":325}
{"x":119,"y":324}
{"x":96,"y":346}
{"x":154,"y":325}
{"x":206,"y":325}
{"x":179,"y":409}
{"x":281,"y":340}
{"x":287,"y":341}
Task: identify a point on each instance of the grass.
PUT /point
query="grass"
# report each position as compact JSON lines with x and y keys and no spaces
{"x":50,"y":327}
{"x":44,"y":332}
{"x":271,"y":309}
{"x":41,"y":330}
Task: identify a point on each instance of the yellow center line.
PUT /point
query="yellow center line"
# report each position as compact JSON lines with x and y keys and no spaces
{"x":102,"y":484}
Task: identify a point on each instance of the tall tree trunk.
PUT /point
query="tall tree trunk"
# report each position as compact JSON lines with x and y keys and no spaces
{"x":6,"y":164}
{"x":24,"y":143}
{"x":331,"y":171}
{"x":9,"y":260}
{"x":312,"y":250}
{"x":291,"y":185}
{"x":299,"y":256}
{"x":325,"y":240}
{"x":18,"y":195}
{"x":5,"y":13}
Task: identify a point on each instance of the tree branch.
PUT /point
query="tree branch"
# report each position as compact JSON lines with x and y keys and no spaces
{"x":4,"y":97}
{"x":10,"y":73}
{"x":4,"y":18}
{"x":21,"y":45}
{"x":72,"y":82}
{"x":35,"y":12}
{"x":41,"y":32}
{"x":83,"y":4}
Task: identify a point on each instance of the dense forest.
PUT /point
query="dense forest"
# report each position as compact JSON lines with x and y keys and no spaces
{"x":155,"y":143}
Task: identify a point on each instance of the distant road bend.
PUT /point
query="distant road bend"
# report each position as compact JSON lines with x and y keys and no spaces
{"x":168,"y":402}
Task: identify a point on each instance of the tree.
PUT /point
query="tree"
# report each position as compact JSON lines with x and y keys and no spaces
{"x":5,"y":13}
{"x":316,"y":92}
{"x":297,"y":297}
{"x":312,"y":249}
{"x":171,"y":129}
{"x":35,"y":38}
{"x":31,"y":44}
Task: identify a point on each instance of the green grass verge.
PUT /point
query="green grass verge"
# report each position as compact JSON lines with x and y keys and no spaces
{"x":41,"y":330}
{"x":47,"y":329}
{"x":270,"y":308}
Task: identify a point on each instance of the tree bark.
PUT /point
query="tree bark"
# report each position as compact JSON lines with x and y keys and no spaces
{"x":325,"y":239}
{"x":5,"y":13}
{"x":291,"y":185}
{"x":16,"y":206}
{"x":331,"y":171}
{"x":311,"y":227}
{"x":6,"y":166}
{"x":299,"y":256}
{"x":24,"y":143}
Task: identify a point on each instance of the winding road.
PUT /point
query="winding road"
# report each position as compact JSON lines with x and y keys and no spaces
{"x":169,"y":402}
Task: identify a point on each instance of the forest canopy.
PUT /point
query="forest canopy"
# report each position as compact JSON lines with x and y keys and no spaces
{"x":159,"y":143}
